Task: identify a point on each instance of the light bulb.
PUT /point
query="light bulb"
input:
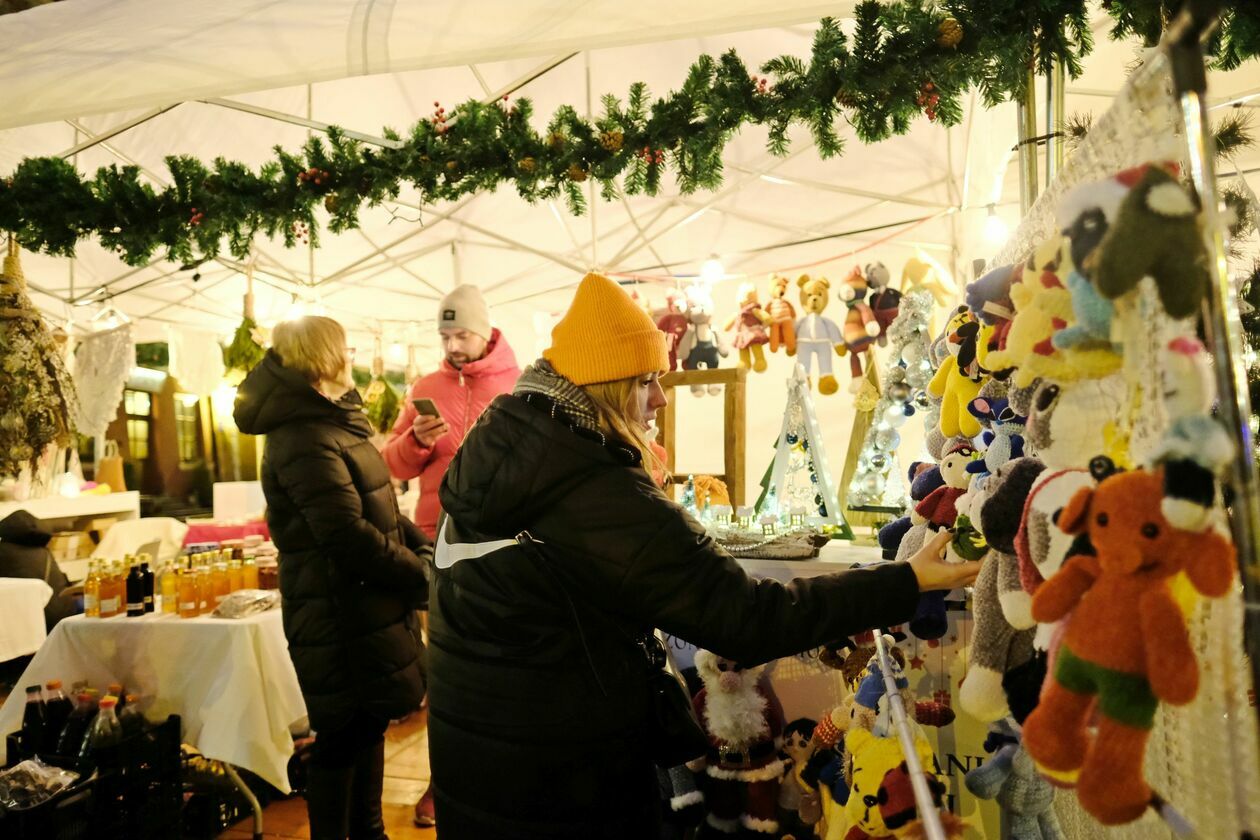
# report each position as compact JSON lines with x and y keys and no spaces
{"x":397,"y":353}
{"x":995,"y":230}
{"x":712,"y":271}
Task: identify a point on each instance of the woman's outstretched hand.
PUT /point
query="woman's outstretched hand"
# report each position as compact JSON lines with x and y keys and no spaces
{"x":934,"y":573}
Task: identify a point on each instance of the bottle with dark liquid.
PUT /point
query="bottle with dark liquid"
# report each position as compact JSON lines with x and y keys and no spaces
{"x":105,"y":731}
{"x":146,"y":572}
{"x":135,"y":592}
{"x":77,"y":724}
{"x":130,"y":717}
{"x":57,"y":709}
{"x":31,"y":736}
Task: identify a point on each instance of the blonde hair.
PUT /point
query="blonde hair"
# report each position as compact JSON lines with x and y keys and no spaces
{"x":615,"y":402}
{"x":313,"y":345}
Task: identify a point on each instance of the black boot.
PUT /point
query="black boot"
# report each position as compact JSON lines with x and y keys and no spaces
{"x":328,"y":791}
{"x":366,"y":821}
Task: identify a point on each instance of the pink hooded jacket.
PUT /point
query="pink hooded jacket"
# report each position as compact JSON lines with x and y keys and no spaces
{"x":461,"y":396}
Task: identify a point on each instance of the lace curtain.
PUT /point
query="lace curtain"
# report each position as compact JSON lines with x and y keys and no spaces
{"x":102,"y":363}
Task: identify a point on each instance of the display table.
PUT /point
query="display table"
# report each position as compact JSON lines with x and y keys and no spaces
{"x":22,"y":602}
{"x":230,"y":681}
{"x":205,"y":532}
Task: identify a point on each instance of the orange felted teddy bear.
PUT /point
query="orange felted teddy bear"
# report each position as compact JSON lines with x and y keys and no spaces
{"x":1126,"y":642}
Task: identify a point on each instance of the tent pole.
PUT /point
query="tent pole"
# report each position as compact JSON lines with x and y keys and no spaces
{"x":1026,"y":114}
{"x":1055,"y":83}
{"x":1224,"y":327}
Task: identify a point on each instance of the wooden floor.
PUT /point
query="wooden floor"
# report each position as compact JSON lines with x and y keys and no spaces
{"x":406,"y":778}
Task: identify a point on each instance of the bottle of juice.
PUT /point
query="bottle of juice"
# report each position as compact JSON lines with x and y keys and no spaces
{"x":187,"y":595}
{"x":129,"y":716}
{"x":135,"y":591}
{"x":71,"y":738}
{"x":249,"y":572}
{"x":105,"y":731}
{"x":218,"y":581}
{"x":167,"y":585}
{"x":115,"y":690}
{"x":57,"y":709}
{"x":31,"y":736}
{"x":146,"y":572}
{"x":205,"y":586}
{"x":236,"y":576}
{"x":111,"y":598}
{"x":92,"y":592}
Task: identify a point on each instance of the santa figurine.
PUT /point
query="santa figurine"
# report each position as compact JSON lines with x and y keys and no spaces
{"x":744,"y":722}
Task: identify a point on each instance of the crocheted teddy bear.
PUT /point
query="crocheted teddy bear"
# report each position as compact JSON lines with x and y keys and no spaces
{"x":1126,"y":646}
{"x":817,"y":335}
{"x":860,"y":328}
{"x":782,"y":317}
{"x":750,"y":326}
{"x":1011,"y":778}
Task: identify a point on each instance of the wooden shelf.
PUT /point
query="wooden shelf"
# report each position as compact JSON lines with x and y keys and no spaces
{"x":126,"y":505}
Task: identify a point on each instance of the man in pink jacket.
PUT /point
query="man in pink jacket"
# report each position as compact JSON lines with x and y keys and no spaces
{"x":478,"y":366}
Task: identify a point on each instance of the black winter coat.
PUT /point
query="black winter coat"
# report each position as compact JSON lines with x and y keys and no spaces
{"x":350,"y":577}
{"x":526,"y":738}
{"x":24,"y":554}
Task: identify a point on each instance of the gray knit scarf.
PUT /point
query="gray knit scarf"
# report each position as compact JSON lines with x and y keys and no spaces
{"x":541,"y":378}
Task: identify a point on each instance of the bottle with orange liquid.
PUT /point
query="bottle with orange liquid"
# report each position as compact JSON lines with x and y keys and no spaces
{"x":111,"y":594}
{"x":202,"y":576}
{"x":249,"y":572}
{"x":186,"y":592}
{"x":236,"y":576}
{"x":168,"y":588}
{"x":219,"y":582}
{"x":92,"y":592}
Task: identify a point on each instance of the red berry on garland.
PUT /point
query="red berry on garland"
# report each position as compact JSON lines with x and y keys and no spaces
{"x":437,"y":104}
{"x":929,"y":86}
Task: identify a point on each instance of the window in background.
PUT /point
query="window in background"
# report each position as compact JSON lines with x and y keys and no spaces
{"x":187,"y":428}
{"x":139,"y":409}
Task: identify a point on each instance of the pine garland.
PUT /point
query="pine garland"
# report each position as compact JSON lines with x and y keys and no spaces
{"x":906,"y":59}
{"x":1236,"y":40}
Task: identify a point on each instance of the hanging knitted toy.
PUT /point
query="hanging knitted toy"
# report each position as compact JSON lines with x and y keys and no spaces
{"x":701,"y":346}
{"x":751,"y":321}
{"x":1156,"y":234}
{"x":816,"y":335}
{"x":1040,"y":546}
{"x":782,"y":317}
{"x":1126,"y":645}
{"x":885,"y":301}
{"x":958,"y":379}
{"x":996,"y":646}
{"x":674,"y":324}
{"x":380,"y":401}
{"x":860,"y":327}
{"x":1010,"y":777}
{"x":1071,"y":423}
{"x":1195,"y":448}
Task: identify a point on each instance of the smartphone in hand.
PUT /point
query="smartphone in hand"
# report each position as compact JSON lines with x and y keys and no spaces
{"x":426,"y":407}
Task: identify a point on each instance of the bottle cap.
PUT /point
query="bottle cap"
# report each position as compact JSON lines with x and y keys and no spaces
{"x":90,"y":692}
{"x":132,"y":699}
{"x":109,"y":702}
{"x":52,"y":685}
{"x":115,"y":689}
{"x":30,"y":689}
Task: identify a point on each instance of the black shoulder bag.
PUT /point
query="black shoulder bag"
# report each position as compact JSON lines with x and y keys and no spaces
{"x":675,"y":736}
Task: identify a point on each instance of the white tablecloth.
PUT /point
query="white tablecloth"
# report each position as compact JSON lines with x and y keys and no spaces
{"x":231,"y":681}
{"x":22,"y":602}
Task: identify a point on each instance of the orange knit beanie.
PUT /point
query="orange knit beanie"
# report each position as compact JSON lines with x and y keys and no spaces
{"x":605,"y":336}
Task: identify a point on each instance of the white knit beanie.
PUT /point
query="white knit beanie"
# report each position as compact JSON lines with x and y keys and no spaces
{"x":465,"y":309}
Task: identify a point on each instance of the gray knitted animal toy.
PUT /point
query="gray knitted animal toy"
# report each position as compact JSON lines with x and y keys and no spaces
{"x":1027,"y":799}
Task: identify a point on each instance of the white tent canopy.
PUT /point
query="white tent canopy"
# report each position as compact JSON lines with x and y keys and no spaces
{"x":236,"y":78}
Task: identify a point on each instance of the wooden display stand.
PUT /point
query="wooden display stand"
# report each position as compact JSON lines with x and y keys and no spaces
{"x":733,"y":426}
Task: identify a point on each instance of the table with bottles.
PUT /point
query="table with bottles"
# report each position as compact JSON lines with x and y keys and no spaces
{"x":230,"y":680}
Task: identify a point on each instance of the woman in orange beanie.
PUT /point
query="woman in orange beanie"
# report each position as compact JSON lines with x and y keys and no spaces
{"x":558,"y":557}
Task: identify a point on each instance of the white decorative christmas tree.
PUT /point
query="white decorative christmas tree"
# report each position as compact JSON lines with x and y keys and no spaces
{"x":800,"y":489}
{"x":877,"y":480}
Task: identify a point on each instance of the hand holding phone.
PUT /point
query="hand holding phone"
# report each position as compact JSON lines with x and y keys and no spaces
{"x":428,"y":425}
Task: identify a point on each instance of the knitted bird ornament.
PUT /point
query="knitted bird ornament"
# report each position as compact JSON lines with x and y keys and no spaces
{"x":1156,"y":233}
{"x":1126,"y":646}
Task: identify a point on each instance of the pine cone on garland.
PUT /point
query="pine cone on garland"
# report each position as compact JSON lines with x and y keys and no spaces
{"x":577,"y":173}
{"x":527,"y":165}
{"x":556,"y":140}
{"x":611,"y":141}
{"x":949,"y":33}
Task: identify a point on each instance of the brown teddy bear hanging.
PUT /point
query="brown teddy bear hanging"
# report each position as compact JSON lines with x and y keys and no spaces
{"x":750,"y":329}
{"x":744,"y":722}
{"x":782,"y":317}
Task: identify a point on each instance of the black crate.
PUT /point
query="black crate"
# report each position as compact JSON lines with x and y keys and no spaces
{"x":136,"y":791}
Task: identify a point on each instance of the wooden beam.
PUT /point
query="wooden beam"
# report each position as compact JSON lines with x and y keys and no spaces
{"x":734,"y":421}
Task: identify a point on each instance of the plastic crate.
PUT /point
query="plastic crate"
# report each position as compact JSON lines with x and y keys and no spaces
{"x":136,"y":791}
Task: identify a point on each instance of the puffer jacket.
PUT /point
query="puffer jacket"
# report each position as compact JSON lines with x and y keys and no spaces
{"x":461,"y":394}
{"x":352,"y":569}
{"x":538,"y":689}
